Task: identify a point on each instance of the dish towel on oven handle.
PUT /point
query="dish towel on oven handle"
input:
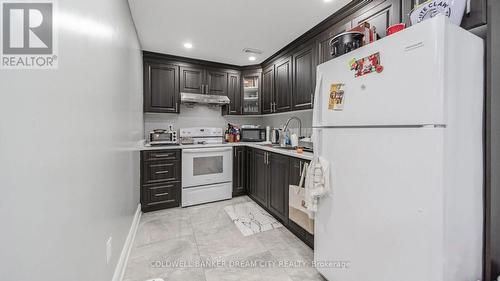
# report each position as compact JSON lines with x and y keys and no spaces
{"x":317,"y":183}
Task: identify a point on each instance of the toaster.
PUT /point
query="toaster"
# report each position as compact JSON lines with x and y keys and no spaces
{"x":163,"y":137}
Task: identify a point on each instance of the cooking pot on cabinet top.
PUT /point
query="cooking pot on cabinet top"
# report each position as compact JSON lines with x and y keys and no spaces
{"x":345,"y":42}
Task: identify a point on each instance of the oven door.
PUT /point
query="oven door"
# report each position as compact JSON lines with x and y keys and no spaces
{"x":204,"y":166}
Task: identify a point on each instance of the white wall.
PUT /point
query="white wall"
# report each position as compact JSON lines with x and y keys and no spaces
{"x":68,"y":176}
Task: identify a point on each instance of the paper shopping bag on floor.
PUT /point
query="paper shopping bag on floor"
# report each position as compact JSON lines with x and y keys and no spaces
{"x":297,"y":209}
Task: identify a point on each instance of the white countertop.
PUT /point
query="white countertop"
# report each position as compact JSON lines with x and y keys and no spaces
{"x":258,"y":145}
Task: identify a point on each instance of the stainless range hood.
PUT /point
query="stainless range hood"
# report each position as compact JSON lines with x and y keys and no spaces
{"x":188,"y":98}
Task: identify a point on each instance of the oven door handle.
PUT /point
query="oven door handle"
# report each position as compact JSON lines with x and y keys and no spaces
{"x":207,"y":150}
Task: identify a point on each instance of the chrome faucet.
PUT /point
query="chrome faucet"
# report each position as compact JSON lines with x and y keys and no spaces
{"x":285,"y":128}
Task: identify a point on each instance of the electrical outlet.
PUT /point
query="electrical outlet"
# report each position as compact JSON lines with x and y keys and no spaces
{"x":109,"y":249}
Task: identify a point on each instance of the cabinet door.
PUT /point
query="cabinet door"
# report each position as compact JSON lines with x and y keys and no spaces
{"x":325,"y":53}
{"x":283,"y":95}
{"x":161,"y":196}
{"x":250,"y":174}
{"x":161,"y":87}
{"x":381,"y":16}
{"x":260,"y":188}
{"x":239,"y":171}
{"x":192,"y":80}
{"x":216,"y":82}
{"x":304,"y":78}
{"x":268,"y":89}
{"x":234,"y":93}
{"x":278,"y":185}
{"x":296,"y":167}
{"x":475,"y":15}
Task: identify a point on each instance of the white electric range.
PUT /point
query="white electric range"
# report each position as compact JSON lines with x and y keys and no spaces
{"x":207,"y":172}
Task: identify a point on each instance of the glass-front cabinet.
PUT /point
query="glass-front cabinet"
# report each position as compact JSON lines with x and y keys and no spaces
{"x":251,"y":94}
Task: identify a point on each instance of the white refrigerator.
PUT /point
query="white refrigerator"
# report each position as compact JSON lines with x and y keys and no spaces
{"x":403,"y":133}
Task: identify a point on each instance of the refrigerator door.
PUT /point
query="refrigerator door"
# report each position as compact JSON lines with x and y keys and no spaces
{"x":408,"y":91}
{"x":384,"y":213}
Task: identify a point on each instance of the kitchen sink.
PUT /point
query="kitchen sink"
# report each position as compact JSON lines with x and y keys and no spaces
{"x":284,"y":148}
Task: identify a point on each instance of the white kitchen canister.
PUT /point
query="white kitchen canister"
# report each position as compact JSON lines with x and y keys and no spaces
{"x":453,"y":9}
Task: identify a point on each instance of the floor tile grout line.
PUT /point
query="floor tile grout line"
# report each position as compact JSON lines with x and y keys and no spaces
{"x":196,"y":242}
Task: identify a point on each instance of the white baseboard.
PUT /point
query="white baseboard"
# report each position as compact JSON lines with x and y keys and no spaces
{"x":127,"y":247}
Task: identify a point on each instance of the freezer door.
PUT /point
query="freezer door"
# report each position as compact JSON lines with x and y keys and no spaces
{"x":408,"y":91}
{"x":384,"y":215}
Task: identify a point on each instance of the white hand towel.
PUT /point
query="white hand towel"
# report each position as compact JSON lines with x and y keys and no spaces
{"x":317,"y":183}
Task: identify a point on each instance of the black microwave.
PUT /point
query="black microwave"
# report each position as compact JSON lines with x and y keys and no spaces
{"x":253,"y":134}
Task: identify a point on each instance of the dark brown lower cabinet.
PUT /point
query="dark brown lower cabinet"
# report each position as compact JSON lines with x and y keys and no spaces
{"x":239,"y":171}
{"x":260,"y":174}
{"x":160,"y":179}
{"x":278,"y":167}
{"x":268,"y":178}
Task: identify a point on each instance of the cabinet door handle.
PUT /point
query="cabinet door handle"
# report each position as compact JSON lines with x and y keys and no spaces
{"x":312,"y":98}
{"x":177,"y":107}
{"x":163,"y":155}
{"x":300,"y":167}
{"x":161,"y":194}
{"x":467,"y":8}
{"x":161,"y":172}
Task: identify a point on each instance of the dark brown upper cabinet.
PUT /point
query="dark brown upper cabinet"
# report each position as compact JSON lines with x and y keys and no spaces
{"x":216,"y":82}
{"x":381,"y":16}
{"x":475,"y":12}
{"x":304,"y":78}
{"x":251,"y":93}
{"x":199,"y":80}
{"x":161,"y":87}
{"x":192,"y":80}
{"x":325,"y":38}
{"x":268,"y":89}
{"x":283,"y":94}
{"x":234,"y":93}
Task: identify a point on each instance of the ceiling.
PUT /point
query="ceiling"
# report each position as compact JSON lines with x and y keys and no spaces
{"x":220,"y":29}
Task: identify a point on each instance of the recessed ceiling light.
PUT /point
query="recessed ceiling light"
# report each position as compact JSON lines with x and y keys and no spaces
{"x":252,"y":58}
{"x":326,"y":1}
{"x":188,"y":45}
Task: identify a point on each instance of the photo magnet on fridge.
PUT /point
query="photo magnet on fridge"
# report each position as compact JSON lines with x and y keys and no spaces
{"x":366,"y":65}
{"x":336,"y":100}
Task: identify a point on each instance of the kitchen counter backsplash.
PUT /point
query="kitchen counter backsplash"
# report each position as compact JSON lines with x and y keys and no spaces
{"x":203,"y":116}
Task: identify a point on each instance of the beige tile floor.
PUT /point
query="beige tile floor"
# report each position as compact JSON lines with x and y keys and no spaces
{"x":188,"y":236}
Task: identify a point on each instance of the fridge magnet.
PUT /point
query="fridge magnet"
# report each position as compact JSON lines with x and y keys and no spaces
{"x":366,"y":65}
{"x":336,"y":100}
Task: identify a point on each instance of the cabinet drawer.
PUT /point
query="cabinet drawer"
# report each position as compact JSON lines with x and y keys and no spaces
{"x":161,"y":155}
{"x":161,"y":171}
{"x":155,"y":197}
